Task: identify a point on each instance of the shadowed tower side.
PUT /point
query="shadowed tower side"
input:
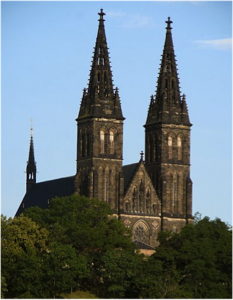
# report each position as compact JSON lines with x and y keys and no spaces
{"x":167,"y":142}
{"x":100,"y":131}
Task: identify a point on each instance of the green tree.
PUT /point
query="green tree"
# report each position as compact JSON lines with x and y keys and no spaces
{"x":161,"y":277}
{"x":23,"y":244}
{"x":118,"y":272}
{"x":61,"y":269}
{"x":94,"y":234}
{"x":205,"y":258}
{"x":196,"y":263}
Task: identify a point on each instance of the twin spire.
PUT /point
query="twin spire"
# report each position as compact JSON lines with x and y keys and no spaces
{"x":100,"y":99}
{"x":167,"y":106}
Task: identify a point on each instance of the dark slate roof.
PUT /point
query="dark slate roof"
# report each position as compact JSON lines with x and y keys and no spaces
{"x":128,"y":172}
{"x":142,"y":245}
{"x":41,"y":192}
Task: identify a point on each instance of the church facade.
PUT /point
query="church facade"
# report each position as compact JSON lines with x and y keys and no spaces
{"x":151,"y":195}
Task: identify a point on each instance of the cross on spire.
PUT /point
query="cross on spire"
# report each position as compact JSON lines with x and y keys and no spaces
{"x":169,"y":22}
{"x":101,"y":14}
{"x":141,"y":154}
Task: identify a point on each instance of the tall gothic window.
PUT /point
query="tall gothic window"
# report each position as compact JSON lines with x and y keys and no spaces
{"x":179,"y":148}
{"x":102,"y":141}
{"x":169,"y":147}
{"x":111,"y":142}
{"x":106,"y":189}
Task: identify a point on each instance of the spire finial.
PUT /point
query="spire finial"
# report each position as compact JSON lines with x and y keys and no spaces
{"x":142,"y":154}
{"x":169,"y":23}
{"x":31,"y":127}
{"x":101,"y":14}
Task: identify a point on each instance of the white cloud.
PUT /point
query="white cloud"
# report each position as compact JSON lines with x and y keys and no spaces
{"x":131,"y":20}
{"x":222,"y":44}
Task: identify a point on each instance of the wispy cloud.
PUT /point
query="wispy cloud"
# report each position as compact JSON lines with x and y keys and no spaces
{"x":131,"y":20}
{"x":222,"y":44}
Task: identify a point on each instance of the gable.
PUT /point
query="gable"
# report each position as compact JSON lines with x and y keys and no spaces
{"x":140,"y":187}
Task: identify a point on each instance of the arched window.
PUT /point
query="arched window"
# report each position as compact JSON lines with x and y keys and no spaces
{"x":179,"y":148}
{"x":169,"y":147}
{"x":102,"y":141}
{"x":148,"y":200}
{"x":106,"y":183}
{"x":111,"y":142}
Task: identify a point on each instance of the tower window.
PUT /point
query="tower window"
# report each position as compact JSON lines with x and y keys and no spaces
{"x":106,"y":189}
{"x":179,"y":148}
{"x":111,"y":140}
{"x":169,"y":147}
{"x":102,"y":141}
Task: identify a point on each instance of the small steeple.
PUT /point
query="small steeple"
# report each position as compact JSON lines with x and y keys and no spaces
{"x":167,"y":107}
{"x":99,"y":100}
{"x":31,"y":164}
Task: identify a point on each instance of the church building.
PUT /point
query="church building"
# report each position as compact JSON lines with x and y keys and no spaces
{"x":150,"y":195}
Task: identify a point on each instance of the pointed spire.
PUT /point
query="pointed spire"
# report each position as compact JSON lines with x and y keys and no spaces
{"x":31,"y":164}
{"x":100,"y":96}
{"x":168,"y":102}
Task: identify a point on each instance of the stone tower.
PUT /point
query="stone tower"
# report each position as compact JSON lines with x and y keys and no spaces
{"x":167,"y":143}
{"x":31,"y":166}
{"x":100,"y":131}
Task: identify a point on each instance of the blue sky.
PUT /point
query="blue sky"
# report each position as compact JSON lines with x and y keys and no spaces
{"x":46,"y":53}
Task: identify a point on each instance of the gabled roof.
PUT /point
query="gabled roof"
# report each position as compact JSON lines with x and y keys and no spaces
{"x":40,"y":193}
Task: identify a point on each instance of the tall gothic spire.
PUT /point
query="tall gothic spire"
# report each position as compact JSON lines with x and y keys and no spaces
{"x":31,"y":165}
{"x":168,"y":106}
{"x":100,"y":99}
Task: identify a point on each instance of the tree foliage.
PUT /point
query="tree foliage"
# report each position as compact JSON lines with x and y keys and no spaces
{"x":77,"y":244}
{"x":197,"y":262}
{"x":91,"y":234}
{"x":23,"y":244}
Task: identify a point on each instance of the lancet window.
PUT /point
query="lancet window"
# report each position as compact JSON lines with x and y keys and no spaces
{"x":102,"y":138}
{"x":179,"y":148}
{"x":169,"y":147}
{"x":111,"y":142}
